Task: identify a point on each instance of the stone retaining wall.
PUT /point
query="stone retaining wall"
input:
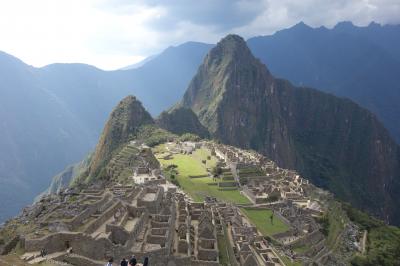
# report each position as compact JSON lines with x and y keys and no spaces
{"x":77,"y":221}
{"x":154,"y":205}
{"x":139,"y":225}
{"x":133,"y":194}
{"x":118,"y":234}
{"x":227,"y":184}
{"x":203,"y":263}
{"x":309,"y":239}
{"x":289,"y":233}
{"x":103,"y":218}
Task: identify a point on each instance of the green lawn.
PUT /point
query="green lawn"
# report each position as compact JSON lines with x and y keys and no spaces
{"x":335,"y":224}
{"x":201,"y":154}
{"x":261,"y":219}
{"x":301,"y":249}
{"x":198,"y":188}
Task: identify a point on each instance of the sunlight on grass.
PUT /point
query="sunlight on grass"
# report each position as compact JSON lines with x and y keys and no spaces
{"x":199,"y":188}
{"x":261,"y":219}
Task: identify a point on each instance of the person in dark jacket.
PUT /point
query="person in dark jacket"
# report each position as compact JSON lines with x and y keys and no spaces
{"x":132,"y":261}
{"x":146,"y":261}
{"x":124,"y":262}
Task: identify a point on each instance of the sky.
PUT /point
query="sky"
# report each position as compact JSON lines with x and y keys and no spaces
{"x":111,"y":34}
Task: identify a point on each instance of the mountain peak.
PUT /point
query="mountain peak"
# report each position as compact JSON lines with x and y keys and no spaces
{"x":123,"y":123}
{"x":229,"y":69}
{"x":232,"y":38}
{"x":232,"y":44}
{"x":301,"y":25}
{"x":128,"y":100}
{"x":228,"y":49}
{"x":300,"y":28}
{"x":374,"y":24}
{"x":344,"y":25}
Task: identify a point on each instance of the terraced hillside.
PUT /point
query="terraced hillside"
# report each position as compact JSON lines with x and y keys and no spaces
{"x":121,"y":166}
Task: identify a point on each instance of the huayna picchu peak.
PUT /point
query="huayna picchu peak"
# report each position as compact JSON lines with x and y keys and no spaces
{"x":333,"y":141}
{"x":246,"y":169}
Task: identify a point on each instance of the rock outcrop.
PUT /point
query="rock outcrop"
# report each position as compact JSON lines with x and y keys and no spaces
{"x":331,"y":140}
{"x":182,"y":120}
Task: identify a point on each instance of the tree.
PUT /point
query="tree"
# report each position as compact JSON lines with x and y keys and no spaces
{"x":216,"y":171}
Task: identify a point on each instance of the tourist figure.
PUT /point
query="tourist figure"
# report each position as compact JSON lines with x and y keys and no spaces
{"x":43,"y":253}
{"x":124,"y":262}
{"x":146,"y":261}
{"x":133,"y":261}
{"x":110,"y":262}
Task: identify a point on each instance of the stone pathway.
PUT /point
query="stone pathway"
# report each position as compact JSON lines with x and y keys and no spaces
{"x":35,"y":258}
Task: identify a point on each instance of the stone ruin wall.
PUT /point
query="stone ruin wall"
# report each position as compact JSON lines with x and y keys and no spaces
{"x":77,"y":221}
{"x":133,"y":194}
{"x":152,"y":206}
{"x":103,"y":218}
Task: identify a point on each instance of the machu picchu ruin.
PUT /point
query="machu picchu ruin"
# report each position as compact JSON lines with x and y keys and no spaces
{"x":272,"y":217}
{"x":245,"y":170}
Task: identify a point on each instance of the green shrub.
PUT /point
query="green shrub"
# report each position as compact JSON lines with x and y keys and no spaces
{"x":189,"y":137}
{"x":383,"y":245}
{"x":171,"y":166}
{"x":175,"y":182}
{"x":273,"y":197}
{"x":243,"y":180}
{"x":153,"y":136}
{"x":324,"y":222}
{"x":216,"y":171}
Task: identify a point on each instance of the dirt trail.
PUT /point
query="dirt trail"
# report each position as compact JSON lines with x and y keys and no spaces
{"x":364,"y":242}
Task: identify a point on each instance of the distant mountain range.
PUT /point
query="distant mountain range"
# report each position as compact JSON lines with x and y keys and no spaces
{"x":140,"y":63}
{"x":52,"y":116}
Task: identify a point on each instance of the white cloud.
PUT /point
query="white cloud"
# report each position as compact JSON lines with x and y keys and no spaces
{"x":114,"y":33}
{"x":281,"y":14}
{"x":45,"y":31}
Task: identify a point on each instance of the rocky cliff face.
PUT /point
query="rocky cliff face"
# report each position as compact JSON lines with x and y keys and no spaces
{"x":121,"y":126}
{"x":331,"y":140}
{"x":182,"y":120}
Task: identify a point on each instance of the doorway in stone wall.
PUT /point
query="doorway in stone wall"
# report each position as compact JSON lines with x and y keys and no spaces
{"x":67,"y":245}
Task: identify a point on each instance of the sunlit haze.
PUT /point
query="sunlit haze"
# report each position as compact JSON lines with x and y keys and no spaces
{"x":113,"y":34}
